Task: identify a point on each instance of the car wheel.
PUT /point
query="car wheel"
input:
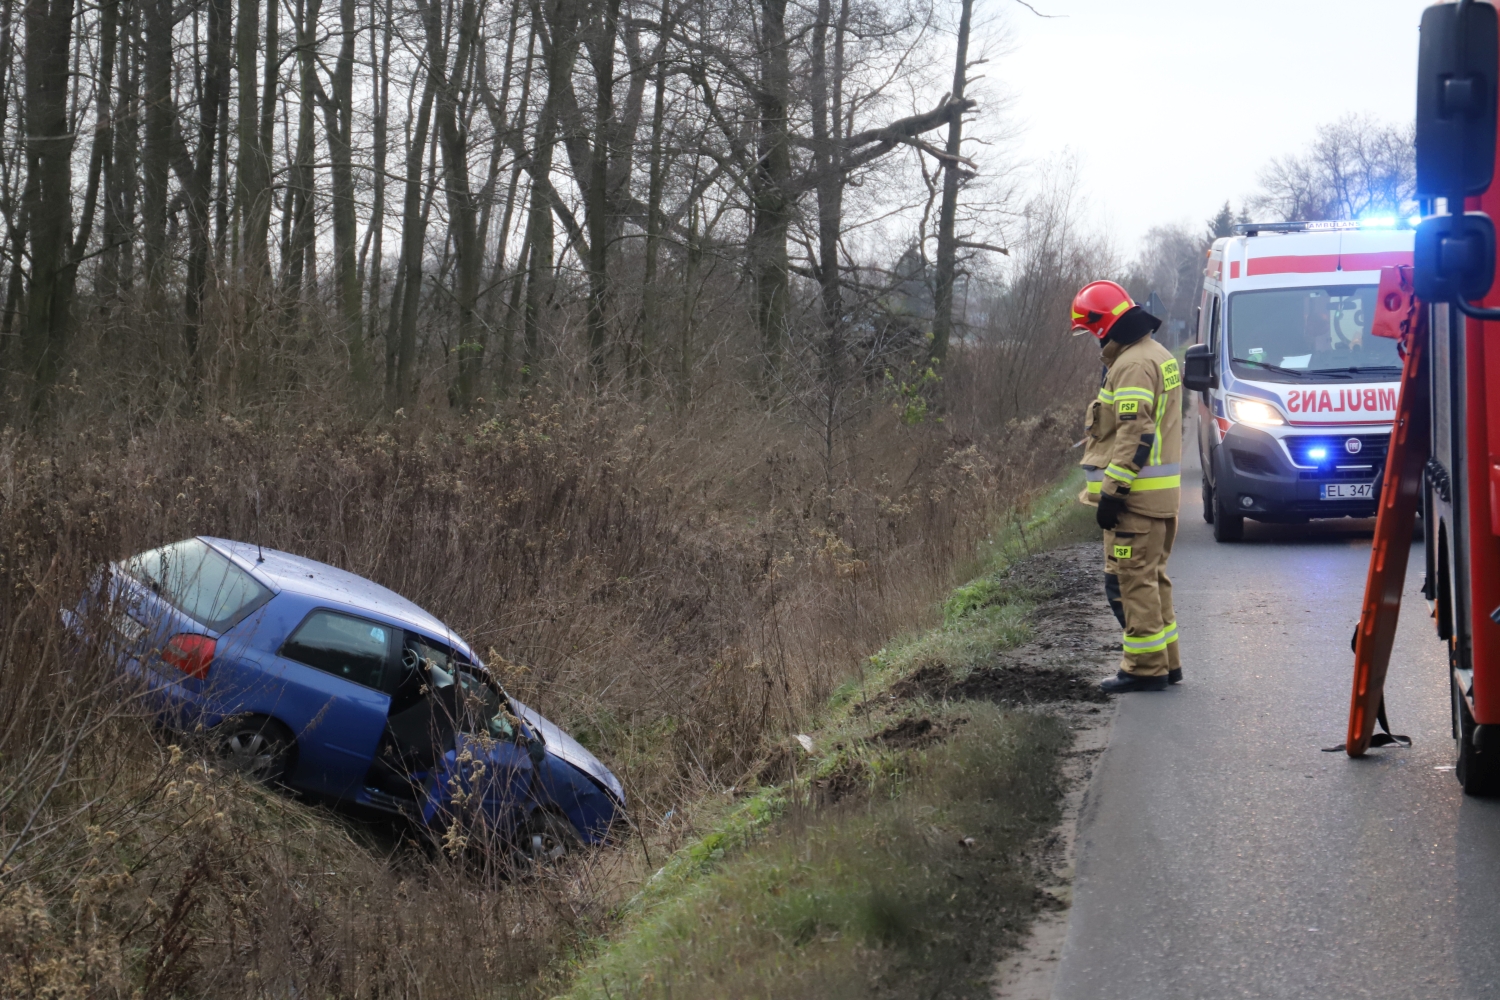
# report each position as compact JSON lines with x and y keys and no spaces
{"x":1228,"y":527}
{"x":1477,"y":771}
{"x":258,"y":748}
{"x":546,"y":839}
{"x":1208,"y":500}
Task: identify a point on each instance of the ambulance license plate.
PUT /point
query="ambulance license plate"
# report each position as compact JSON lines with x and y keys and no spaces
{"x":1348,"y":491}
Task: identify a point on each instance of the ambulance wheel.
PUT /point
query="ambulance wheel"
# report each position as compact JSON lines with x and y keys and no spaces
{"x":1478,"y":772}
{"x":1208,"y":501}
{"x":1228,"y":526}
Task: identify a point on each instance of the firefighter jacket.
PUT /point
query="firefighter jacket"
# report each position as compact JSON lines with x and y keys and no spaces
{"x":1133,"y":433}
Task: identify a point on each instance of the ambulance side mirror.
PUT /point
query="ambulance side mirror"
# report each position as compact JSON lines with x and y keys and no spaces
{"x":1454,"y":257}
{"x":1198,"y":369}
{"x":1458,"y":60}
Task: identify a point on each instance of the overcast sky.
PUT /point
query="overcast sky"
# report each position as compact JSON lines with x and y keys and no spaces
{"x":1174,"y":105}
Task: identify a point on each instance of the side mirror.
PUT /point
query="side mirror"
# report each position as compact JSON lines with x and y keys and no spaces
{"x":1458,"y":60}
{"x":1198,"y":369}
{"x":1454,"y":257}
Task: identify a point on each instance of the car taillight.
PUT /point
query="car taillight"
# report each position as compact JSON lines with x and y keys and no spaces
{"x":190,"y":653}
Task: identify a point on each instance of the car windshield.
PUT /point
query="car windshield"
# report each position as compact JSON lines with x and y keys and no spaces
{"x":1313,"y":334}
{"x":487,"y":711}
{"x":200,"y":582}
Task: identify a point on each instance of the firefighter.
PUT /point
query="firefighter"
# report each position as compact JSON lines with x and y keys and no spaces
{"x":1131,"y":464}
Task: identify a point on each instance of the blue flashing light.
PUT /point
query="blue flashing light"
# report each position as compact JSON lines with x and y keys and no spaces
{"x":1414,"y":221}
{"x":1378,"y":222}
{"x":1317,"y":453}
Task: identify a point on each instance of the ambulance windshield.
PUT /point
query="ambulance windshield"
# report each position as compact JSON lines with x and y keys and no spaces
{"x":1310,"y":334}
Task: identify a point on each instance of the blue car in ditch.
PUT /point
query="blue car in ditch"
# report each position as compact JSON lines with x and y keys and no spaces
{"x":309,"y":676}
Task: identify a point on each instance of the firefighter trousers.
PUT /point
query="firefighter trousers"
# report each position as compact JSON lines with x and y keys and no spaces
{"x":1140,"y":594}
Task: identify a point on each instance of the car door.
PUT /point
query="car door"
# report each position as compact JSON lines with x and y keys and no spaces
{"x":1212,"y":397}
{"x":482,"y":761}
{"x":326,"y":679}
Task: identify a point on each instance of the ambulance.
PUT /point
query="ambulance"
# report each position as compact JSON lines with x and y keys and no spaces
{"x":1295,"y":398}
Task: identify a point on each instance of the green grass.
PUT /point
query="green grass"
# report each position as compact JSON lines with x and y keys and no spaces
{"x":854,"y":879}
{"x":847,"y":901}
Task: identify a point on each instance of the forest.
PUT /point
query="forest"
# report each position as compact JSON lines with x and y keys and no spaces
{"x":218,"y":205}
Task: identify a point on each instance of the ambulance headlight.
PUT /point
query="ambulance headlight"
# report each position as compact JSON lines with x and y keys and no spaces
{"x":1254,"y":412}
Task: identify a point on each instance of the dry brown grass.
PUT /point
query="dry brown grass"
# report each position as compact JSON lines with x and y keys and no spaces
{"x":679,"y":592}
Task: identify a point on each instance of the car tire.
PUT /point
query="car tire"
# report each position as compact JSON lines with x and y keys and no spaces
{"x":1228,"y":527}
{"x":546,"y":839}
{"x":258,"y":748}
{"x":1478,"y":772}
{"x":1208,"y":500}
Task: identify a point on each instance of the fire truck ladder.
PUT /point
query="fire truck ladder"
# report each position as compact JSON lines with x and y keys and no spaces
{"x":1394,"y":523}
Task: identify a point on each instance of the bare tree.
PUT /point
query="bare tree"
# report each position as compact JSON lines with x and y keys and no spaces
{"x":1355,"y":167}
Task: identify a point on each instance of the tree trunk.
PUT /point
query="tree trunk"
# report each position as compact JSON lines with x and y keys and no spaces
{"x":156,"y":158}
{"x":114,"y":275}
{"x":650,"y":298}
{"x":413,"y":237}
{"x":338,"y":112}
{"x":382,"y":144}
{"x":199,"y":191}
{"x":102,"y":151}
{"x":694,"y":257}
{"x":947,"y":239}
{"x":598,"y":206}
{"x":462,"y":214}
{"x":827,"y":159}
{"x":773,"y":204}
{"x":252,"y":170}
{"x":300,"y":177}
{"x":504,"y":126}
{"x":48,"y":199}
{"x":559,"y":48}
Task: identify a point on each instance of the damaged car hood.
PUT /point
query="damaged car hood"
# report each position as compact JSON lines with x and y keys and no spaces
{"x":561,"y":745}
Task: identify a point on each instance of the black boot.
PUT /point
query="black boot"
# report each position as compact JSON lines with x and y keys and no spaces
{"x":1174,"y":676}
{"x":1122,"y":682}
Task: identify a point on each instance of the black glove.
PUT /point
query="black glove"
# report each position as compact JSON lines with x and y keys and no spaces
{"x":1110,"y":509}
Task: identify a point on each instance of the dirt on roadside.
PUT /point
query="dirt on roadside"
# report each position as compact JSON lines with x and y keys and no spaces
{"x":1075,"y":640}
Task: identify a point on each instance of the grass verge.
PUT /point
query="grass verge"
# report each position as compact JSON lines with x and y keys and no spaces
{"x":889,"y":858}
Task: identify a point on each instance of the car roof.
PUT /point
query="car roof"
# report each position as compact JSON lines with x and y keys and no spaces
{"x":282,"y":571}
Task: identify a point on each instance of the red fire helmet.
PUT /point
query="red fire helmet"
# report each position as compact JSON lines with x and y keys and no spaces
{"x":1096,"y":307}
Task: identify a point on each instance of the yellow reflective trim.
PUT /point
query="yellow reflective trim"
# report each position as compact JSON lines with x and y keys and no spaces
{"x":1121,"y":473}
{"x":1122,"y":307}
{"x":1157,"y":483}
{"x":1077,"y":315}
{"x":1094,"y":485}
{"x":1153,"y":643}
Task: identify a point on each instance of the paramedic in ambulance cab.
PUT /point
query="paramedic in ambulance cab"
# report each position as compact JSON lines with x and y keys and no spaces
{"x":1319,"y":325}
{"x":1132,"y":467}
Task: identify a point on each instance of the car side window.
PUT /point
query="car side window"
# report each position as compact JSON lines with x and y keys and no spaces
{"x":342,"y":645}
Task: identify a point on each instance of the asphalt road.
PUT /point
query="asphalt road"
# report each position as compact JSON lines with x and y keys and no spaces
{"x":1221,"y":854}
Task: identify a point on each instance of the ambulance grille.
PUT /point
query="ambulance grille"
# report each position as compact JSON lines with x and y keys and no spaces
{"x":1361,"y":464}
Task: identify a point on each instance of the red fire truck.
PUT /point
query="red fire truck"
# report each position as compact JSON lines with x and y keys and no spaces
{"x":1444,"y":457}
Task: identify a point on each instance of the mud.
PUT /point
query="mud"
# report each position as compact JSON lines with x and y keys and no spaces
{"x":848,"y":781}
{"x":916,"y":732}
{"x":1065,"y":659}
